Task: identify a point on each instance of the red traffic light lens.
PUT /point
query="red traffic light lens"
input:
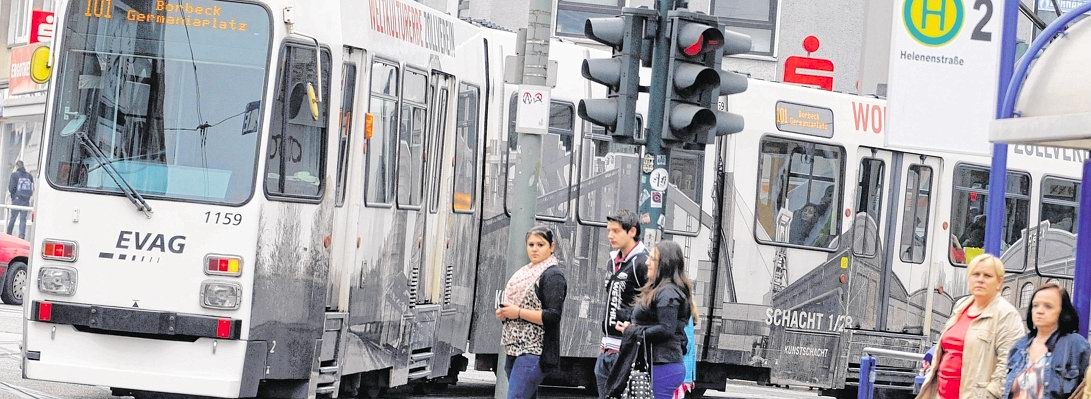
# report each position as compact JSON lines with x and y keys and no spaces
{"x":694,"y":49}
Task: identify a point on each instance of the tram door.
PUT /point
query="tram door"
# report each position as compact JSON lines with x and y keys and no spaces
{"x":897,"y":191}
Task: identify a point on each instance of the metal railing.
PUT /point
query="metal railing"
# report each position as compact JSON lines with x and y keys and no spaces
{"x":868,"y":372}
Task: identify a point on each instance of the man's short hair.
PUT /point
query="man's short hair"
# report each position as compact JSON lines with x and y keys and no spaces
{"x":627,"y":219}
{"x":18,"y":164}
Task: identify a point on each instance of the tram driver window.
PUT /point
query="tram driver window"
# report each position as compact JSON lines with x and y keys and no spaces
{"x":968,"y":212}
{"x":799,"y":192}
{"x":297,"y":146}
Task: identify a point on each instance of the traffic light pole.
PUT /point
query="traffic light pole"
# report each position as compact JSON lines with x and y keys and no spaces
{"x":654,"y":170}
{"x":532,"y":121}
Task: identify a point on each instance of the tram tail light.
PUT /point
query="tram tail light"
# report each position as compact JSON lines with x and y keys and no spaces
{"x":221,"y":265}
{"x":223,"y":328}
{"x":57,"y":280}
{"x":45,"y":311}
{"x":221,"y":295}
{"x":59,"y":250}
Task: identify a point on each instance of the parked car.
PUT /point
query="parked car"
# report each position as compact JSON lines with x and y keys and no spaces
{"x":14,"y":253}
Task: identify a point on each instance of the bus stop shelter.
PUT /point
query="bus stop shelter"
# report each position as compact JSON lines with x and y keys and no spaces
{"x":1048,"y":103}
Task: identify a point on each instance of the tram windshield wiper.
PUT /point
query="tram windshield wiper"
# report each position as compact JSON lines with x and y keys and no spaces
{"x":107,"y":165}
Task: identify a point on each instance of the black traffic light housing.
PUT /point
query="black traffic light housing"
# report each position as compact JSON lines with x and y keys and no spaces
{"x":620,"y":74}
{"x":696,"y":81}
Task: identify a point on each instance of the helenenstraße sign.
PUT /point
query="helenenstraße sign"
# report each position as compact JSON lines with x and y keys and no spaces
{"x":943,"y":74}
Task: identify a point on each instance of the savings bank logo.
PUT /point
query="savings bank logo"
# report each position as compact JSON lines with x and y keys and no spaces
{"x":934,"y":22}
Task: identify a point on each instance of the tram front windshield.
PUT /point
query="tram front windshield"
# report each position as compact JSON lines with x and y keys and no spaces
{"x":169,"y":91}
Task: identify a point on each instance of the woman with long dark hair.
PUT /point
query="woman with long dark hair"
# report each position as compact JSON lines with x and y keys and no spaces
{"x":531,"y":312}
{"x":1050,"y":361}
{"x":661,"y":312}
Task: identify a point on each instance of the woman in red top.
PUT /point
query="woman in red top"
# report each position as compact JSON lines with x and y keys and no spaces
{"x":971,"y":360}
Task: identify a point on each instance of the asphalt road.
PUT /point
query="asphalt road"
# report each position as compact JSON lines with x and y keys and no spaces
{"x":472,"y":384}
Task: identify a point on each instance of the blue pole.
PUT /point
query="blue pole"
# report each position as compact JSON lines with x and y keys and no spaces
{"x":1081,"y":286}
{"x":998,"y":177}
{"x":867,"y":384}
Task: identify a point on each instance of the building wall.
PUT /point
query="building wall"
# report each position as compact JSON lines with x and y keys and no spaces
{"x":854,"y":35}
{"x":839,"y":26}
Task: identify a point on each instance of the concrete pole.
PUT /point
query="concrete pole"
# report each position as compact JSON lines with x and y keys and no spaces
{"x":535,"y":54}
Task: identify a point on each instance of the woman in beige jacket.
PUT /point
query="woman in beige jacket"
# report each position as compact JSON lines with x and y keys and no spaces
{"x":971,"y":359}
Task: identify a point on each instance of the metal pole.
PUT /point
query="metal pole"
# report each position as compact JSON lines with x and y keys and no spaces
{"x":1081,"y":283}
{"x":998,"y":177}
{"x":527,"y":171}
{"x":653,"y":201}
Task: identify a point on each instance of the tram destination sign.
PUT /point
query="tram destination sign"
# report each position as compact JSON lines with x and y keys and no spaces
{"x":804,"y":119}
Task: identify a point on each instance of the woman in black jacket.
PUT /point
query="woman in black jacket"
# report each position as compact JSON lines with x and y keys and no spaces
{"x":660,"y":316}
{"x":531,"y":312}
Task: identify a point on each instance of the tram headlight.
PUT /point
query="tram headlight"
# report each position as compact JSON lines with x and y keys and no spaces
{"x":221,"y":295}
{"x":57,"y":280}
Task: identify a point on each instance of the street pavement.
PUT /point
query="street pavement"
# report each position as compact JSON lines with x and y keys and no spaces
{"x":472,"y":384}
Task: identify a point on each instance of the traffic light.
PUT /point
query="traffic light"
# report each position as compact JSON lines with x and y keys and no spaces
{"x":696,"y":81}
{"x":730,"y":83}
{"x":620,"y":74}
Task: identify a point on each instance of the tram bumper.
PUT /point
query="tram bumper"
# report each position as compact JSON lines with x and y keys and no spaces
{"x":130,"y":348}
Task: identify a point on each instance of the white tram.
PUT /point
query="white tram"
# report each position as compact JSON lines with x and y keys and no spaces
{"x":255,"y":198}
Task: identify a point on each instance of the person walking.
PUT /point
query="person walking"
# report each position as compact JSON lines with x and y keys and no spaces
{"x":1050,"y":361}
{"x":971,"y":359}
{"x":659,"y":319}
{"x":531,"y":310}
{"x":626,"y":273}
{"x":21,"y":188}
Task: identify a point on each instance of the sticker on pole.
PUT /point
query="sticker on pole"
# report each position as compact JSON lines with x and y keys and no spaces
{"x":657,"y":199}
{"x":648,"y":164}
{"x":659,"y":179}
{"x":533,"y":110}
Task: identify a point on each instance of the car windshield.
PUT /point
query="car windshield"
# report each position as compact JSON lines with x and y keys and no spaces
{"x":171,"y":91}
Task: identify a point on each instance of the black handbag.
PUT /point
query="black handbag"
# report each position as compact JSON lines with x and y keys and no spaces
{"x":640,"y":377}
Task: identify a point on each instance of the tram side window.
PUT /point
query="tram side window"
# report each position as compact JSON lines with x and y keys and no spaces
{"x":869,"y":200}
{"x":348,"y":102}
{"x":382,"y":146}
{"x":918,"y":201}
{"x":968,"y":212}
{"x":297,"y":147}
{"x":465,"y":184}
{"x":414,"y":122}
{"x":609,"y":176}
{"x":798,"y":192}
{"x":554,"y":186}
{"x":683,"y":204}
{"x":1060,"y":202}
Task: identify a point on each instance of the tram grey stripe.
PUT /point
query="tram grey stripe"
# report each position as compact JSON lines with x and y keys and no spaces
{"x":106,"y":255}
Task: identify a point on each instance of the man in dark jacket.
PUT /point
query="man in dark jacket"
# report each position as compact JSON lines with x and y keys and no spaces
{"x":21,"y":187}
{"x":627,"y":273}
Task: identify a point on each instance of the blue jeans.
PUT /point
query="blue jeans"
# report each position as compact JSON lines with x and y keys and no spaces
{"x":666,"y":378}
{"x":524,"y":376}
{"x":22,"y":216}
{"x":603,"y":365}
